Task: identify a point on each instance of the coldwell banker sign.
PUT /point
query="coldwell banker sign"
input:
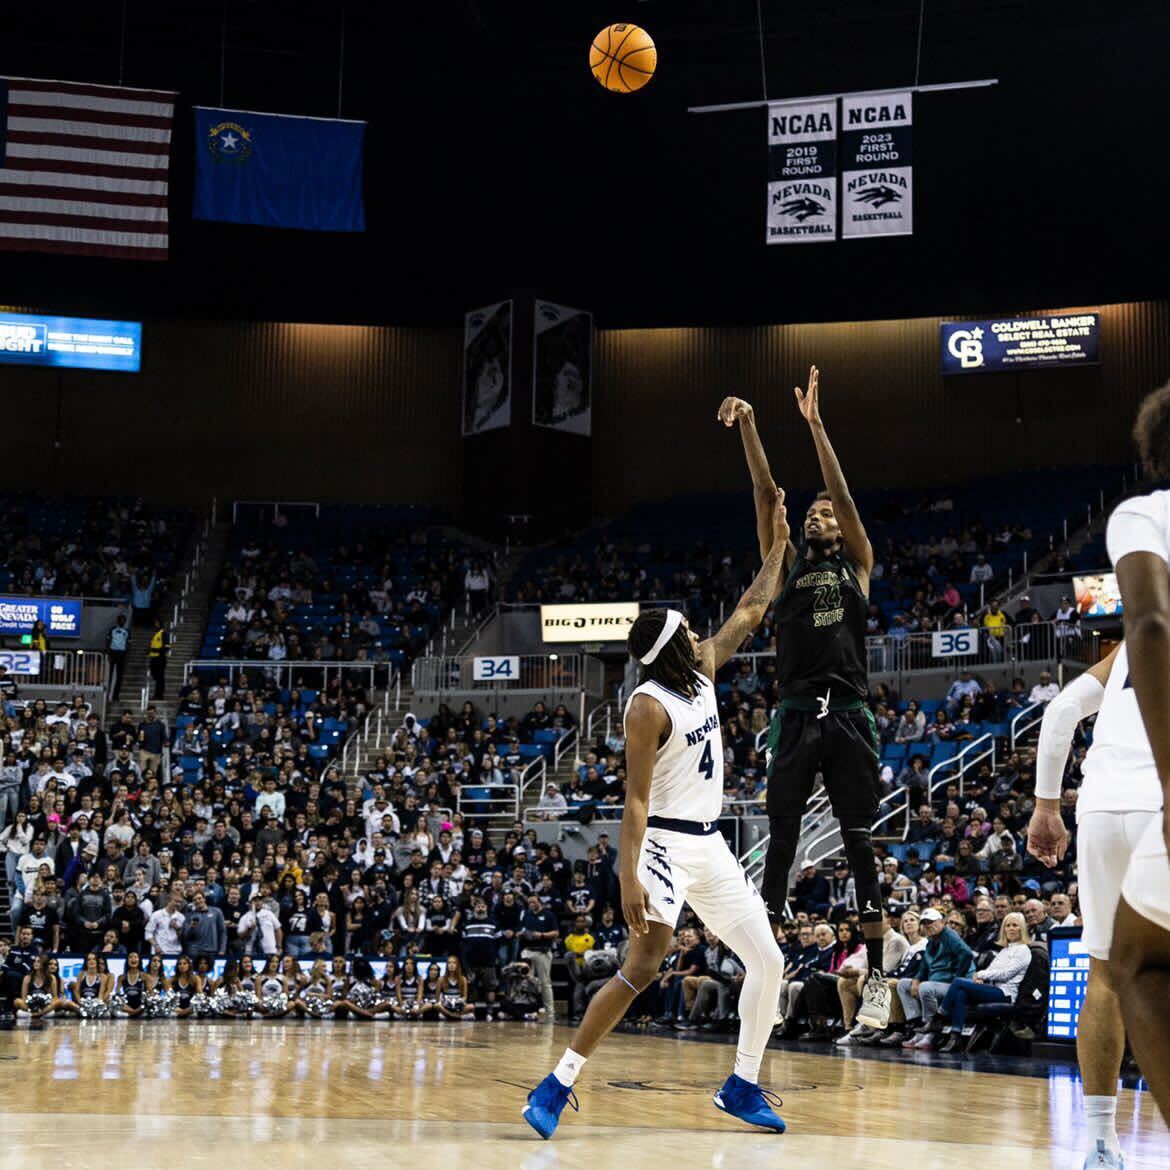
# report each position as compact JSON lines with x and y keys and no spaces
{"x":62,"y":618}
{"x":1019,"y":343}
{"x":606,"y":622}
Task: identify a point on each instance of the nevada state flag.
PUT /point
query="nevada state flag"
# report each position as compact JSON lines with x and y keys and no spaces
{"x":276,"y":170}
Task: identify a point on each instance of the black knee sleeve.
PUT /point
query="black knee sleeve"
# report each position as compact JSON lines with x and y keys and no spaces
{"x":859,"y":853}
{"x":785,"y":833}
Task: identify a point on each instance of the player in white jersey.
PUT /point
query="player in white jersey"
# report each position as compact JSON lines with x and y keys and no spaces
{"x":1138,"y":539}
{"x":1119,"y":798}
{"x":671,"y":851}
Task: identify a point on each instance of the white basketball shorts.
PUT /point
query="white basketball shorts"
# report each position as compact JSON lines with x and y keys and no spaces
{"x":1147,"y":881}
{"x":1105,"y":844}
{"x":680,"y":867}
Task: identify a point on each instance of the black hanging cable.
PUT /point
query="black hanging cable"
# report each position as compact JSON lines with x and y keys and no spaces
{"x":341,"y":59}
{"x":763,"y":55}
{"x":122,"y":48}
{"x":223,"y":50}
{"x":918,"y":54}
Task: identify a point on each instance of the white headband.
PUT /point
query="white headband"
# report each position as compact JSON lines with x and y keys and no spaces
{"x":672,"y":623}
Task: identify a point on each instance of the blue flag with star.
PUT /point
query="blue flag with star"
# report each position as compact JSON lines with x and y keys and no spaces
{"x":276,"y":170}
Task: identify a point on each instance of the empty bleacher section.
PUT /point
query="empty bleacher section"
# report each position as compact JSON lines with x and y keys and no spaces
{"x":331,"y":584}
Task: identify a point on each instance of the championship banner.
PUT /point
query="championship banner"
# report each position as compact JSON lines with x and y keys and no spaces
{"x":802,"y":172}
{"x":487,"y":369}
{"x":562,"y":368}
{"x":877,"y":180}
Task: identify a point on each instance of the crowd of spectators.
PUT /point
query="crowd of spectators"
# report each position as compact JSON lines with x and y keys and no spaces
{"x":95,"y":548}
{"x":377,"y":596}
{"x":275,"y":856}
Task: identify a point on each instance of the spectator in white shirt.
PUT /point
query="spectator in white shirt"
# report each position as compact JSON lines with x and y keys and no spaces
{"x":552,"y":805}
{"x":271,"y":799}
{"x":164,"y":928}
{"x":1044,"y":691}
{"x":260,"y":928}
{"x":981,"y":571}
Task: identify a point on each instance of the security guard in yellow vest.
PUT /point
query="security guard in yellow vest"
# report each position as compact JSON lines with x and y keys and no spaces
{"x":160,"y":644}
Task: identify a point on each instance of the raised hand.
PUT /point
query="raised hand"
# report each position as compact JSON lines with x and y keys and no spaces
{"x":733,"y":410}
{"x":780,"y":529}
{"x":809,"y":400}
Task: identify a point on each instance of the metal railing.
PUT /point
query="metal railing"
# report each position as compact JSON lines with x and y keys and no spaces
{"x":604,"y":711}
{"x":535,"y":773}
{"x":538,"y":672}
{"x":296,"y":674}
{"x":563,"y":746}
{"x":1023,"y":721}
{"x":504,"y":800}
{"x":68,"y":668}
{"x":1040,"y":642}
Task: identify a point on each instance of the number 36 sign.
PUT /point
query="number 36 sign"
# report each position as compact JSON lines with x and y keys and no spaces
{"x":955,"y":643}
{"x":505,"y":669}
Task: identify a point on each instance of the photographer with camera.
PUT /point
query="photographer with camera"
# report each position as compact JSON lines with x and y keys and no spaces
{"x":522,"y":992}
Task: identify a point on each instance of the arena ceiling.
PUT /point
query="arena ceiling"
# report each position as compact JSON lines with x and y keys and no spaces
{"x":495,"y":164}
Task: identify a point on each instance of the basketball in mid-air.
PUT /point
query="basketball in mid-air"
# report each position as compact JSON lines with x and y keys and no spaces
{"x":623,"y":57}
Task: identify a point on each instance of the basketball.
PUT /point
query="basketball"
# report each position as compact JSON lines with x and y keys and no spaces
{"x":623,"y":57}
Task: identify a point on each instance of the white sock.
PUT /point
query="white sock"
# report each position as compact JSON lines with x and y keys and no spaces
{"x":748,"y":1067}
{"x":1101,"y":1121}
{"x":570,"y":1068}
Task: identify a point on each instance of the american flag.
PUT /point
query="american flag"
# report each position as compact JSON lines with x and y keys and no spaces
{"x":83,"y":169}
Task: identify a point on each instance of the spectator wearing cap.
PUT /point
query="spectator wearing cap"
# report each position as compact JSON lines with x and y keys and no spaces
{"x":552,"y":805}
{"x":945,"y":959}
{"x":260,"y":928}
{"x":842,"y":892}
{"x":810,"y":892}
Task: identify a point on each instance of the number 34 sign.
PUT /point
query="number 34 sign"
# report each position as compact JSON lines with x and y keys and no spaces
{"x":955,"y":643}
{"x":505,"y":669}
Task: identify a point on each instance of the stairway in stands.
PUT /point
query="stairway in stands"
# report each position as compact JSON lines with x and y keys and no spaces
{"x":186,"y":636}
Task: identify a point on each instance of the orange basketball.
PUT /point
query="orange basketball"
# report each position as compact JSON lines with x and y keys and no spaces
{"x":623,"y":57}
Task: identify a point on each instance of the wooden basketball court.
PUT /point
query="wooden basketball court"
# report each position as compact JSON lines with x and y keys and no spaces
{"x":177,"y":1094}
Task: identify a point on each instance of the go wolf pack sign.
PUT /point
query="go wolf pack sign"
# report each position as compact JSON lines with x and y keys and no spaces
{"x":802,"y":172}
{"x":876,"y":172}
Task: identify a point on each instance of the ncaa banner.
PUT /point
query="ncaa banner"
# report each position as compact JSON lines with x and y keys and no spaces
{"x":802,"y":172}
{"x":487,"y":368}
{"x":562,"y":363}
{"x":876,"y":172}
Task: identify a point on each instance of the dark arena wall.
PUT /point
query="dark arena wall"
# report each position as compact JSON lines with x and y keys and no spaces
{"x":372,"y":413}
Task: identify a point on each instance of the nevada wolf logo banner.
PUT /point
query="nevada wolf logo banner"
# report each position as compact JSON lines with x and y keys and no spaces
{"x":802,"y":172}
{"x":877,"y":176}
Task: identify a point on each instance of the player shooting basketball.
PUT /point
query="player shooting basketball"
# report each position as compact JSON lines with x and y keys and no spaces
{"x":822,"y":724}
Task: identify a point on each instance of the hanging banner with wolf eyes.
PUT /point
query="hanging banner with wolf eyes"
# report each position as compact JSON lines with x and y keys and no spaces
{"x":802,"y":172}
{"x":487,"y":368}
{"x":877,"y":179}
{"x":562,"y":368}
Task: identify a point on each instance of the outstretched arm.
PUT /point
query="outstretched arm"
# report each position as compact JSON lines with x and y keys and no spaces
{"x":646,"y":721}
{"x":857,"y":545}
{"x":748,"y":614}
{"x":1047,"y":835}
{"x":736,"y":410}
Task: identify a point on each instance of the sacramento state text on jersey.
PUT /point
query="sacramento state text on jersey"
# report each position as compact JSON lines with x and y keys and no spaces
{"x":827,"y":607}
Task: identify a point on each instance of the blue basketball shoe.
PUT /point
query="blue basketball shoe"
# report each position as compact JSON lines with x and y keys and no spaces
{"x":545,"y":1104}
{"x":749,"y":1103}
